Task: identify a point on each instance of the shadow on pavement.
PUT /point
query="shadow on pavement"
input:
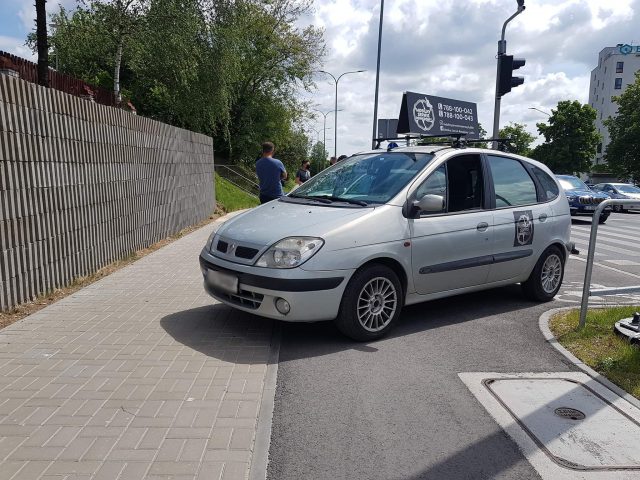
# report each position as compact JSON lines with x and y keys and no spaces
{"x":221,"y":332}
{"x":214,"y":329}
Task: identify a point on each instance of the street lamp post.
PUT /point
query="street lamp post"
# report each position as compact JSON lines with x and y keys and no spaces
{"x":335,"y":110}
{"x":324,"y":127}
{"x":541,"y":111}
{"x":375,"y":101}
{"x":502,"y":49}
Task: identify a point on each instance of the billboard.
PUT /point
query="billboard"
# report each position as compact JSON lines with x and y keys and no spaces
{"x":437,"y":116}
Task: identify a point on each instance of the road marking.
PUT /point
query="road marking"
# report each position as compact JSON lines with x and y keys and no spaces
{"x":606,"y":266}
{"x":605,"y":238}
{"x":627,"y":263}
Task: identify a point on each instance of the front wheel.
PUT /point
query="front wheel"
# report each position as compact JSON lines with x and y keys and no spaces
{"x":371,"y":303}
{"x":602,"y":219}
{"x":546,"y":278}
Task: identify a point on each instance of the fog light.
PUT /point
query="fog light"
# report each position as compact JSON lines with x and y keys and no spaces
{"x":283,"y":306}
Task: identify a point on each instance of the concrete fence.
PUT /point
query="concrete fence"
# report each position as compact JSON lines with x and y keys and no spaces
{"x":83,"y":185}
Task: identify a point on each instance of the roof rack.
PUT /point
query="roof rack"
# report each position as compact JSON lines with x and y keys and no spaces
{"x":455,"y":140}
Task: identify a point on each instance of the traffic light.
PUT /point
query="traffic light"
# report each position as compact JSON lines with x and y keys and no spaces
{"x":506,"y":65}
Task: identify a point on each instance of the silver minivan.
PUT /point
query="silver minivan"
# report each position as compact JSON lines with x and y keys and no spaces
{"x":388,"y":228}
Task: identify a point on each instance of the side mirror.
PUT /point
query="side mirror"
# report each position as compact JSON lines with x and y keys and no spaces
{"x":430,"y":203}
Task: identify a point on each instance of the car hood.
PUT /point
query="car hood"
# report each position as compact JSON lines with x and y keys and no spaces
{"x":629,"y":195}
{"x":579,"y":192}
{"x":273,"y":221}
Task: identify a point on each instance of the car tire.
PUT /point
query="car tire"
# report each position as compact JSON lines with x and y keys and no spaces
{"x":602,"y":219}
{"x":618,"y":209}
{"x":371,"y":303}
{"x":546,"y":278}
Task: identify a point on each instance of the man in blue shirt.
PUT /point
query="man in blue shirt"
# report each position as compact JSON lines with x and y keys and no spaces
{"x":270,"y":171}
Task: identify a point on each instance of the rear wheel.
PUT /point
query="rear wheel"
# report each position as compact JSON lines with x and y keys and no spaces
{"x":371,"y":303}
{"x":602,"y":219}
{"x":546,"y":278}
{"x":618,"y":208}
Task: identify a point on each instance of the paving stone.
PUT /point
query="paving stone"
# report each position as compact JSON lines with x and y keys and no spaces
{"x":128,"y":392}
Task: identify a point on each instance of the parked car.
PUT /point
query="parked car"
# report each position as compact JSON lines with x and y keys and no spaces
{"x":388,"y":228}
{"x":619,"y":190}
{"x":583,"y":200}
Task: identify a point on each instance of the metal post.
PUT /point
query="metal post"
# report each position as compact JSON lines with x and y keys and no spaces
{"x":502,"y":49}
{"x":335,"y":123}
{"x":592,"y":249}
{"x":375,"y":101}
{"x":324,"y":143}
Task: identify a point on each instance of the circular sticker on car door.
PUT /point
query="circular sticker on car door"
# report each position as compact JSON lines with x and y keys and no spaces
{"x":523,"y":220}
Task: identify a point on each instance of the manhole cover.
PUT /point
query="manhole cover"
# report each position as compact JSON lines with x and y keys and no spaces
{"x":571,"y":413}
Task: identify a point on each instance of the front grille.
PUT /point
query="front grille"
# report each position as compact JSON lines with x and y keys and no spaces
{"x":244,"y":298}
{"x":246,"y":252}
{"x":586,"y":200}
{"x":222,"y":246}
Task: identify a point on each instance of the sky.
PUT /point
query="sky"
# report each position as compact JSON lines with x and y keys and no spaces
{"x":437,"y":47}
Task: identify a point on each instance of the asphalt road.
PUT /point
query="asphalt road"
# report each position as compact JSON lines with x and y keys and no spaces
{"x":396,"y":409}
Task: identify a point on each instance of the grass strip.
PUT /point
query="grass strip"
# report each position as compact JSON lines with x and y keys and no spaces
{"x":599,"y":347}
{"x":230,"y":198}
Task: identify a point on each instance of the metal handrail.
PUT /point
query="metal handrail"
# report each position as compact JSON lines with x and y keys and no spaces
{"x":586,"y":292}
{"x":254,"y":184}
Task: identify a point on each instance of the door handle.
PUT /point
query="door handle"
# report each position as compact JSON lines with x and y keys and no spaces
{"x":482,"y":226}
{"x":543,"y":217}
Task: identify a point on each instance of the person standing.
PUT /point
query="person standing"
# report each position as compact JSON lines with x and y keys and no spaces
{"x":270,"y":172}
{"x":303,"y":174}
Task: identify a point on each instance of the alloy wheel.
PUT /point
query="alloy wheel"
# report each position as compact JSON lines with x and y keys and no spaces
{"x":377,"y":304}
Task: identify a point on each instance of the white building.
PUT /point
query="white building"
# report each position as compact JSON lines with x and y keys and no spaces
{"x":616,"y":69}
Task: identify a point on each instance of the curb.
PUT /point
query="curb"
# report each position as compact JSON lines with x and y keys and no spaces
{"x":549,"y":337}
{"x":260,"y":457}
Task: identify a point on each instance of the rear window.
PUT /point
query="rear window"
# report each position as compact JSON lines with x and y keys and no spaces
{"x":549,"y":185}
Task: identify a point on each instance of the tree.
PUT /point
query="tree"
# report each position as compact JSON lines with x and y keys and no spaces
{"x":571,"y":138}
{"x":231,"y":69}
{"x":520,"y":140}
{"x":42,"y":44}
{"x":623,"y":151}
{"x":293,"y":151}
{"x":318,"y":156}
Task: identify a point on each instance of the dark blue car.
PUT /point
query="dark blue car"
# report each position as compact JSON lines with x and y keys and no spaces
{"x":583,"y":200}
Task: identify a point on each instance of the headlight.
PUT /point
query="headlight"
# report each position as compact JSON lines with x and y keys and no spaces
{"x":290,"y":252}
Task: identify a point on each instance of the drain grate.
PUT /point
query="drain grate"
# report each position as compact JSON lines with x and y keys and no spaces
{"x":570,"y":413}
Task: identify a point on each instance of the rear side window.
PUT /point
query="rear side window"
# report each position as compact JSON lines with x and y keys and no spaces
{"x":549,"y":185}
{"x":512,"y":184}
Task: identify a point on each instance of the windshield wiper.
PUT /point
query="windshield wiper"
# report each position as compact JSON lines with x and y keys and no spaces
{"x":346,"y":200}
{"x":309,"y":197}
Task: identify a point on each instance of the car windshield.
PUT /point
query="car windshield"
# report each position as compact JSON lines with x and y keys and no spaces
{"x":628,"y":188}
{"x":364,"y":179}
{"x":572,"y":183}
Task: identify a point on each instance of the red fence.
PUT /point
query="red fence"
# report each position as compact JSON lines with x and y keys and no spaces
{"x":59,"y":81}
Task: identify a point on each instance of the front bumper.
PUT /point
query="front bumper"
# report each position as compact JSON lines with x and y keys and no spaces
{"x":312,"y":295}
{"x":584,"y":210}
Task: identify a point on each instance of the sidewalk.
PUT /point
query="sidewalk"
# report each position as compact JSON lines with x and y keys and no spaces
{"x":140,"y":375}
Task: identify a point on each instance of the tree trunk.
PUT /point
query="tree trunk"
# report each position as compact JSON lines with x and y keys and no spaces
{"x":116,"y":72}
{"x":42,"y":43}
